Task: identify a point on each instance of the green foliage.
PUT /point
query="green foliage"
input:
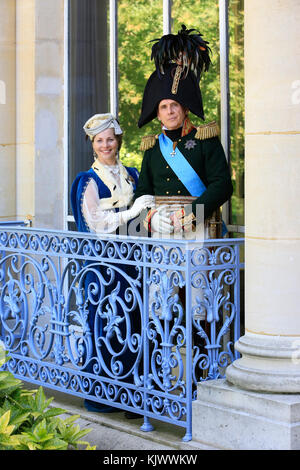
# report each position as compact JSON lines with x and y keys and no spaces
{"x":139,"y":22}
{"x":27,"y":422}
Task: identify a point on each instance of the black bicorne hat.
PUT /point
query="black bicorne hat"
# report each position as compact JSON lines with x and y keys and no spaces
{"x":188,"y":94}
{"x":180,"y":60}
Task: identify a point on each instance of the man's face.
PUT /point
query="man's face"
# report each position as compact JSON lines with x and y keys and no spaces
{"x":171,"y":114}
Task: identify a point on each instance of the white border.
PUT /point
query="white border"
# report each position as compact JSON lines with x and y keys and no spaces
{"x":113,"y":54}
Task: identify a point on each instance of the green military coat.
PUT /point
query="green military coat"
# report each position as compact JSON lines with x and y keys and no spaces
{"x":205,"y":155}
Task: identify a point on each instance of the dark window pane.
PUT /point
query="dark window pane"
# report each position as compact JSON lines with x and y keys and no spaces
{"x":88,"y":76}
{"x":236,"y":77}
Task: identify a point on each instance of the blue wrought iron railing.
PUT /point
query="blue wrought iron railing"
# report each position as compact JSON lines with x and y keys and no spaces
{"x":15,"y":223}
{"x":130,"y":322}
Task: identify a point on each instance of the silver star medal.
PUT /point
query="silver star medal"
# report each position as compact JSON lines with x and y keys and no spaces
{"x":190,"y":144}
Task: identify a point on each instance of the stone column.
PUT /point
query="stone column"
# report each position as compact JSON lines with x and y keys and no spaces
{"x":49,"y":113}
{"x":258,"y":406}
{"x":25,"y":98}
{"x":7,"y":109}
{"x":272,"y":193}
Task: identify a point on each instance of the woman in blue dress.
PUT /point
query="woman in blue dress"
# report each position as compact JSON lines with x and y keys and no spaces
{"x":99,"y":195}
{"x":100,"y":198}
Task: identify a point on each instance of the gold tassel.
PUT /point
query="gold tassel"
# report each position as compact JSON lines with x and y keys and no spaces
{"x":207,"y":131}
{"x":148,"y":141}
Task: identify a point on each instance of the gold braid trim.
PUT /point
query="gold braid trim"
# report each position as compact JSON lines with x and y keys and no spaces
{"x":207,"y":131}
{"x":176,"y":79}
{"x":148,"y":141}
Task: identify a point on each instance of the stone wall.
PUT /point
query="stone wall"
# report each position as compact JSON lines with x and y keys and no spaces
{"x":49,"y":114}
{"x":7,"y":109}
{"x":32,"y":53}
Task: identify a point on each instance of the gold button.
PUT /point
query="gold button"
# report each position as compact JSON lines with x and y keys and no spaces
{"x":168,"y":179}
{"x":167,"y":166}
{"x":167,"y":192}
{"x":178,"y":192}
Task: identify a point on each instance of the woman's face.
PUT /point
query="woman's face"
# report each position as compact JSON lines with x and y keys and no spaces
{"x":105,"y":145}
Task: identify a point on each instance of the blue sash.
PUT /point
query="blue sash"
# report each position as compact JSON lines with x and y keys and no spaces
{"x":185,"y":172}
{"x":181,"y":167}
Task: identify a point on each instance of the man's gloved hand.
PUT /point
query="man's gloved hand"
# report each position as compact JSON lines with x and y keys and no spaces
{"x":183,"y":222}
{"x":161,"y":222}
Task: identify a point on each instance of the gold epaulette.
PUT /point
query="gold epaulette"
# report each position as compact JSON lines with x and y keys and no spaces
{"x":148,"y":141}
{"x":206,"y":131}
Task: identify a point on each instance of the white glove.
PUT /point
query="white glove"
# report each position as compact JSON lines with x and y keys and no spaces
{"x":142,"y":202}
{"x":161,"y":221}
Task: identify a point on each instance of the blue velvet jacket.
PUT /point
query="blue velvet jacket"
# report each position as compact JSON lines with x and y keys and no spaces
{"x":78,"y":188}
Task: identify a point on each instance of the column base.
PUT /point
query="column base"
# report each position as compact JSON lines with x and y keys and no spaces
{"x":227,"y":417}
{"x":268,"y":364}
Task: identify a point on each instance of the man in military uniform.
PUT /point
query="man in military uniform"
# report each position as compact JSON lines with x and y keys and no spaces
{"x":184,"y":164}
{"x":185,"y":168}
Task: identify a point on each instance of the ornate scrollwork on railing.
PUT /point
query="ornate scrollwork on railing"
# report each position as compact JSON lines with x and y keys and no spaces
{"x":213,"y":255}
{"x":166,"y":255}
{"x":212,"y":316}
{"x":22,"y":287}
{"x":167,"y":336}
{"x":49,"y":244}
{"x":118,"y":320}
{"x":37,"y":317}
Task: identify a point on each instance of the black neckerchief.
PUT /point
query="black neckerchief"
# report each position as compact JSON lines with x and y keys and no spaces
{"x":174,"y":134}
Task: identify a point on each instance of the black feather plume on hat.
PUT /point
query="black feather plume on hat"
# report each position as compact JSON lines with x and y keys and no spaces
{"x":190,"y":51}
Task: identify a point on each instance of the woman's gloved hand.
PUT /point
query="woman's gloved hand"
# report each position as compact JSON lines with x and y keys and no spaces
{"x":143,"y":202}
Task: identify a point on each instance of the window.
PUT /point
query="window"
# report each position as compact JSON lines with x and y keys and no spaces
{"x":88,"y":81}
{"x":237,"y":115}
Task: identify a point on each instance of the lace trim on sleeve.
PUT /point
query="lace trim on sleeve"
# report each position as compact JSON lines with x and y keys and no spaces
{"x":96,"y":218}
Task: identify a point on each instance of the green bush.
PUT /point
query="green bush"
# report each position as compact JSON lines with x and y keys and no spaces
{"x":27,"y":422}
